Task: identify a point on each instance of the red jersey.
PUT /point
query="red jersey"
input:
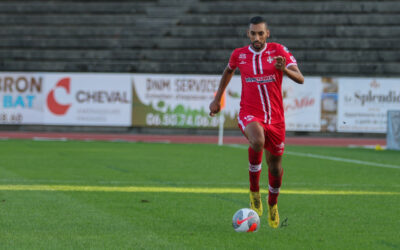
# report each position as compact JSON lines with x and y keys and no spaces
{"x":261,"y":81}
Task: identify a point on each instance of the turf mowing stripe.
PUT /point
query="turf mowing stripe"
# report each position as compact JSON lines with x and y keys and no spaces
{"x":332,"y":158}
{"x":194,"y":190}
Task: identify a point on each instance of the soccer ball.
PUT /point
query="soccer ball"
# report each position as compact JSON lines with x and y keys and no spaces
{"x":246,"y":220}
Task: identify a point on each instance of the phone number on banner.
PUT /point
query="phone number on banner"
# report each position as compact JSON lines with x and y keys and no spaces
{"x":11,"y":118}
{"x":180,"y":120}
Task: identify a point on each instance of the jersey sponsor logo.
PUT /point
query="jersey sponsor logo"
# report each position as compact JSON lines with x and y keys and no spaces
{"x":242,"y":56}
{"x":242,"y":62}
{"x":263,"y":79}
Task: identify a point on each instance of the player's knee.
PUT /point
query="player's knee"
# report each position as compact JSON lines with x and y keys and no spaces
{"x":257,"y":144}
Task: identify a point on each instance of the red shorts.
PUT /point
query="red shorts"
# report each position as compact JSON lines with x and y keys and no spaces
{"x":274,"y":133}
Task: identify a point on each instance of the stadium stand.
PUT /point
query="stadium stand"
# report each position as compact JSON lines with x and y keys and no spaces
{"x":352,"y":37}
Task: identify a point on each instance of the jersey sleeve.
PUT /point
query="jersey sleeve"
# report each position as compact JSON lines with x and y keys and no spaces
{"x":233,"y":60}
{"x":290,"y":60}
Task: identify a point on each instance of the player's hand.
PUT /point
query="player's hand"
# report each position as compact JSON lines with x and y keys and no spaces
{"x":280,"y":62}
{"x":215,"y":107}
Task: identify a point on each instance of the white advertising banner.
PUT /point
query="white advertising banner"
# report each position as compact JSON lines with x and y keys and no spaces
{"x":183,"y":101}
{"x":302,"y":104}
{"x":88,"y":99}
{"x":363,"y":103}
{"x":164,"y":100}
{"x":393,"y":130}
{"x":21,"y":98}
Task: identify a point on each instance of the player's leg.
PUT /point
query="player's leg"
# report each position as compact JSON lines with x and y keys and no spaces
{"x":274,"y":145}
{"x":275,"y":173}
{"x":254,"y":133}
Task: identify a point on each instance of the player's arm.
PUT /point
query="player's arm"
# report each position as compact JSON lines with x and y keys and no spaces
{"x":293,"y":72}
{"x":215,"y":105}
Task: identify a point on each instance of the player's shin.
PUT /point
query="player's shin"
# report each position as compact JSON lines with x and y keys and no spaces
{"x":275,"y":183}
{"x":255,"y":160}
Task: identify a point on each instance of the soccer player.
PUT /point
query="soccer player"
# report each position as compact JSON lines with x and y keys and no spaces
{"x":261,"y":117}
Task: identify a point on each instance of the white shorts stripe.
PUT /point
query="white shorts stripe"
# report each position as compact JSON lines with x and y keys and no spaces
{"x":241,"y":124}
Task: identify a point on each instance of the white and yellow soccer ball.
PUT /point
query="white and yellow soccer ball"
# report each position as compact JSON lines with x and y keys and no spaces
{"x":246,"y":220}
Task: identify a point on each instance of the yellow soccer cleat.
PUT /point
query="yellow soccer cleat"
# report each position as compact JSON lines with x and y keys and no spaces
{"x":273,"y":216}
{"x":255,"y":202}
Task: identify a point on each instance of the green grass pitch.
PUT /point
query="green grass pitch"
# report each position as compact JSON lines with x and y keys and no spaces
{"x":42,"y":219}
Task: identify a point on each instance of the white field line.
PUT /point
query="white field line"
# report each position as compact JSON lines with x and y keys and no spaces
{"x":49,"y":139}
{"x":331,"y":158}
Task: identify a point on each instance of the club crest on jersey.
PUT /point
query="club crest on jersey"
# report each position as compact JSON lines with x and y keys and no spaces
{"x":242,"y":56}
{"x":269,"y":59}
{"x":249,"y":118}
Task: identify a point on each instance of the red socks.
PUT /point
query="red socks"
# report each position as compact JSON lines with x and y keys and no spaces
{"x":274,"y":186}
{"x":275,"y":182}
{"x":255,"y":160}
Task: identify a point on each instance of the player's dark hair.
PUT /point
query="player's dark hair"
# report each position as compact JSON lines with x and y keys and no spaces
{"x":257,"y":20}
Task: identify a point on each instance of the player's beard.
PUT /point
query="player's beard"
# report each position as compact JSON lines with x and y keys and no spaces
{"x":257,"y":45}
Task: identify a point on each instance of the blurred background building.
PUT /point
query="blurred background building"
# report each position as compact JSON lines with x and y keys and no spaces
{"x":329,"y":38}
